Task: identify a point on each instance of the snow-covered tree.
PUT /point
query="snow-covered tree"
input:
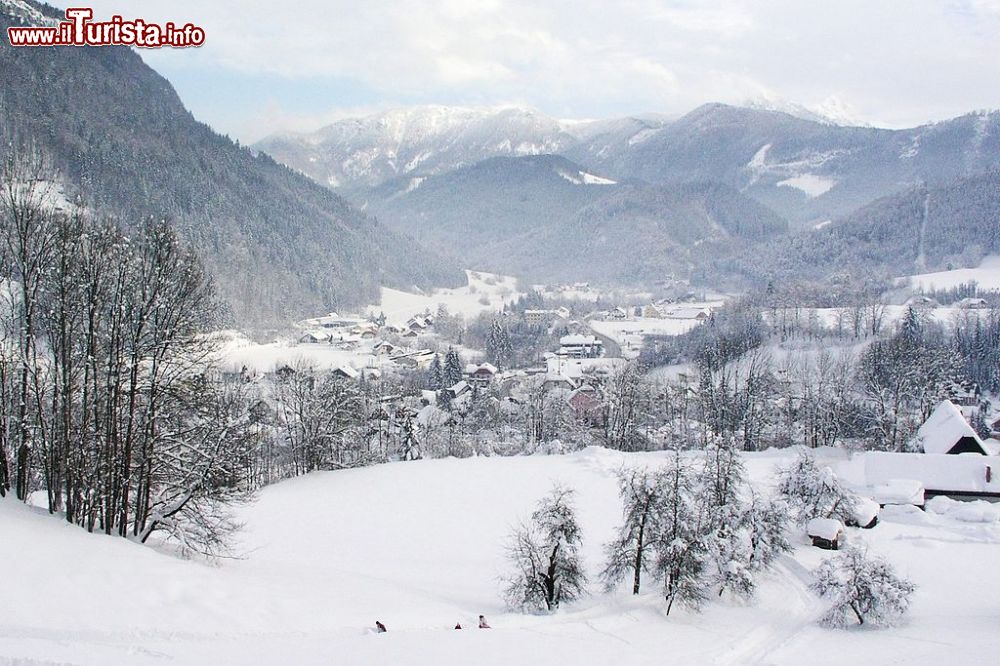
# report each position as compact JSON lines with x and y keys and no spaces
{"x":767,"y":522}
{"x":409,"y":445}
{"x":861,"y":586}
{"x":680,"y":548}
{"x":631,"y":552}
{"x":721,"y":483}
{"x":436,"y":374}
{"x":626,"y":402}
{"x":545,"y":556}
{"x":812,"y":491}
{"x":498,"y":346}
{"x":453,"y":370}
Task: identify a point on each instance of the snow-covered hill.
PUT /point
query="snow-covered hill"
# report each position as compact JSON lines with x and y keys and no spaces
{"x":419,"y":546}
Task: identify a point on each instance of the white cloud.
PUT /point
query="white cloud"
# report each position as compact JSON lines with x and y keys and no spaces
{"x":893,"y":61}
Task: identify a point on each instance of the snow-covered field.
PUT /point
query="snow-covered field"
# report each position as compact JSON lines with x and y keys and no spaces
{"x":484,"y":292}
{"x":237,"y":351}
{"x":419,"y":546}
{"x":629,"y":333}
{"x":987,"y":276}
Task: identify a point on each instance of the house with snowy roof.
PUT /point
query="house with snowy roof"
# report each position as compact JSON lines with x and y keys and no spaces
{"x":481,"y":374}
{"x":617,"y":313}
{"x":314,"y":337}
{"x":385,"y":348}
{"x":581,"y":346}
{"x":972,"y":303}
{"x":947,"y":431}
{"x":586,"y":404}
{"x":697,"y":314}
{"x":418,"y":323}
{"x":458,"y":389}
{"x":556,"y":380}
{"x":346,"y":372}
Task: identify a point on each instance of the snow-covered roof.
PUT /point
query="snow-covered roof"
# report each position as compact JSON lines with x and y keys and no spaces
{"x":348,"y":371}
{"x":944,"y":428}
{"x":578,"y":367}
{"x":825,"y":528}
{"x":992,"y":446}
{"x":568,"y":340}
{"x":940,"y":473}
{"x":688,"y":313}
{"x":559,"y":378}
{"x":459,"y":387}
{"x":899,"y":491}
{"x":586,"y":390}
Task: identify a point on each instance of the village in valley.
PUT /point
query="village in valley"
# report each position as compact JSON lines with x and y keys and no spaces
{"x":422,"y":363}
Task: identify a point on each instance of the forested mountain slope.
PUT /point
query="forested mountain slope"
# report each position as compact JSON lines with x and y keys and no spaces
{"x":923,"y":229}
{"x":546,"y":218}
{"x":278,"y":245}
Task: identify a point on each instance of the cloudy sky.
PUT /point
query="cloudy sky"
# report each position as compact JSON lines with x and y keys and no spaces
{"x":269,"y":66}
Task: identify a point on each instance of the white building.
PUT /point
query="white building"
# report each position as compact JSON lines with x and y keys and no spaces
{"x":581,"y":346}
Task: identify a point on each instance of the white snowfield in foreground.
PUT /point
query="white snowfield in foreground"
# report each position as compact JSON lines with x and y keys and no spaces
{"x":419,"y":546}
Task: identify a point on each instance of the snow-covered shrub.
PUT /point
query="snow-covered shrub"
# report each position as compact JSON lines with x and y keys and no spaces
{"x":545,"y":556}
{"x":861,"y":587}
{"x":814,"y":492}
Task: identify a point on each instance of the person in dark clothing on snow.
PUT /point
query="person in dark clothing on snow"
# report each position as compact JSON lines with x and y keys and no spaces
{"x":458,"y":626}
{"x":380,"y":628}
{"x":482,"y":622}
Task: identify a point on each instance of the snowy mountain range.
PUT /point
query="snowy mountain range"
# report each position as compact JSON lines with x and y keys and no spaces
{"x":805,"y":163}
{"x":426,"y":140}
{"x":497,"y":187}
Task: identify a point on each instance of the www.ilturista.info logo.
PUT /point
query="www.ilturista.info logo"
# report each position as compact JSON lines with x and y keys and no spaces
{"x":79,"y":30}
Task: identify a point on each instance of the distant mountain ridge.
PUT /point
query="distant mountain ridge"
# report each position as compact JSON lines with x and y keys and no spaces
{"x":508,"y":212}
{"x":278,"y":245}
{"x":809,"y":170}
{"x":806,"y":171}
{"x":366,"y":152}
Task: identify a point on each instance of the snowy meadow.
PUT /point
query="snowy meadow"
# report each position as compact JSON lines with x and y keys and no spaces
{"x":420,"y":547}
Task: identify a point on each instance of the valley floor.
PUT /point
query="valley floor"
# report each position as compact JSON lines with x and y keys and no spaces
{"x":419,"y":546}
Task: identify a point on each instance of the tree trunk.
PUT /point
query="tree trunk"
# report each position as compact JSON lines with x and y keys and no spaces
{"x":639,"y":547}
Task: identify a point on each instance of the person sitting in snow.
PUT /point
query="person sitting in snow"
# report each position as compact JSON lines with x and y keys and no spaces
{"x":482,"y":622}
{"x":379,"y":627}
{"x":458,"y":626}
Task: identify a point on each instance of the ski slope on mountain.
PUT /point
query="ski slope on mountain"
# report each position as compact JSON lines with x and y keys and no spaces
{"x":419,"y":546}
